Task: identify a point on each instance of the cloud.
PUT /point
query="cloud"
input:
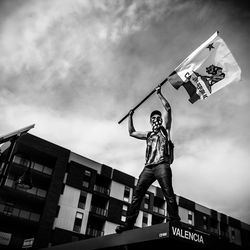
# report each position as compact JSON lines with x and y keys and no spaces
{"x":76,"y":67}
{"x":214,"y":167}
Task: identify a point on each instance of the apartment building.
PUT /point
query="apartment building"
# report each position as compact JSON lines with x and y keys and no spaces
{"x":74,"y":198}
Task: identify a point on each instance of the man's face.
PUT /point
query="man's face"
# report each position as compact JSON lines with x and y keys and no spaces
{"x":156,"y":121}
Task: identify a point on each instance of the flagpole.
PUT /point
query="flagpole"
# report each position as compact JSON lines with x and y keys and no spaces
{"x":143,"y":100}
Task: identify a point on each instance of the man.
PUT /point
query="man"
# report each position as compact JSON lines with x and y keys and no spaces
{"x":157,"y":166}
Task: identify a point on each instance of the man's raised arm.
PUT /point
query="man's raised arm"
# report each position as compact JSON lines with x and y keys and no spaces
{"x":131,"y":128}
{"x":167,"y":115}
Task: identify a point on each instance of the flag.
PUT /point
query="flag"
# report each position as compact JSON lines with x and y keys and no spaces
{"x":206,"y":70}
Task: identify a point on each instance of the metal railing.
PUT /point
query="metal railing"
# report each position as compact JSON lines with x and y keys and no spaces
{"x":94,"y":232}
{"x":101,"y":189}
{"x":34,"y":190}
{"x":99,"y":211}
{"x":159,"y":210}
{"x":77,"y":228}
{"x":34,"y":165}
{"x":10,"y":210}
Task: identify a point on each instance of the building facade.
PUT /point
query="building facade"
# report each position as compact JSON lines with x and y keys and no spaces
{"x":75,"y":198}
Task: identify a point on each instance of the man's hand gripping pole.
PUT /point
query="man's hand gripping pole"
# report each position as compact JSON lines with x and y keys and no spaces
{"x":143,"y":100}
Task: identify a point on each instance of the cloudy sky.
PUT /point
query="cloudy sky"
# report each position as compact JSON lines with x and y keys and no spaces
{"x":76,"y":67}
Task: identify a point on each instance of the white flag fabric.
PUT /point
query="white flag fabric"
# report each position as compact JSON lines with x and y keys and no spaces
{"x":206,"y":70}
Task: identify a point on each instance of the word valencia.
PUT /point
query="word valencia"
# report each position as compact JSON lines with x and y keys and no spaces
{"x":187,"y":235}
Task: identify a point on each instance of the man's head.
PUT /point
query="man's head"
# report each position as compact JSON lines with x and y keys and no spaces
{"x":156,"y":120}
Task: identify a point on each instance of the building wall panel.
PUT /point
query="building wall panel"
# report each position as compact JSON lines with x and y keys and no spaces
{"x":109,"y":227}
{"x":123,"y":178}
{"x":186,"y":215}
{"x":85,"y":161}
{"x":185,"y":203}
{"x":117,"y":190}
{"x":202,"y":209}
{"x":66,"y":218}
{"x":115,"y":210}
{"x":70,"y":197}
{"x":234,"y":235}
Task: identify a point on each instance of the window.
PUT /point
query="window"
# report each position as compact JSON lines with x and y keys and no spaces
{"x":146,"y":201}
{"x":8,"y":209}
{"x":123,"y":218}
{"x":126,"y":194}
{"x":214,"y":226}
{"x":38,"y":167}
{"x":24,"y":162}
{"x":79,"y":215}
{"x":16,"y":212}
{"x":2,"y":206}
{"x":82,"y":199}
{"x":1,"y":165}
{"x":63,"y":187}
{"x":34,"y":217}
{"x":145,"y":220}
{"x":205,"y":222}
{"x":30,"y":191}
{"x":24,"y":214}
{"x":85,"y":184}
{"x":47,"y":171}
{"x":224,"y":229}
{"x":9,"y":182}
{"x":87,"y":172}
{"x":124,"y":210}
{"x":17,"y":159}
{"x":78,"y":222}
{"x":57,"y":210}
{"x":233,"y":234}
{"x":41,"y":192}
{"x":190,"y":218}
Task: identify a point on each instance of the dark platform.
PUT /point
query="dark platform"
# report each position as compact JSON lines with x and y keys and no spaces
{"x":154,"y":237}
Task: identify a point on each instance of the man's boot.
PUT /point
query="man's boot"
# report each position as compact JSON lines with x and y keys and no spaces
{"x":129,"y":224}
{"x":174,"y":221}
{"x":122,"y":228}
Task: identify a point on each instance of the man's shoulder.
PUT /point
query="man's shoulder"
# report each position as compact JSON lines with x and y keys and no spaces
{"x":164,"y":131}
{"x":149,"y":133}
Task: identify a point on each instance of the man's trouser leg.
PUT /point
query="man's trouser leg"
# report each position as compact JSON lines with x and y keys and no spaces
{"x":163,"y":174}
{"x":146,"y":178}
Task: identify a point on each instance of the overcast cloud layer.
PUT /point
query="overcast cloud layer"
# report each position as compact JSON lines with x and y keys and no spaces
{"x":74,"y":68}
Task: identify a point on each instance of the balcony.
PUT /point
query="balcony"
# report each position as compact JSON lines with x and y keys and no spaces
{"x":159,"y":210}
{"x":99,"y":211}
{"x":38,"y":192}
{"x":94,"y":232}
{"x":102,"y":190}
{"x":34,"y":165}
{"x":10,"y":210}
{"x":77,"y":228}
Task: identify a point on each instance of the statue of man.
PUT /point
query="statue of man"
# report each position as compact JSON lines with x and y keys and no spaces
{"x":157,"y":165}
